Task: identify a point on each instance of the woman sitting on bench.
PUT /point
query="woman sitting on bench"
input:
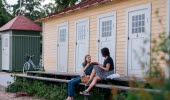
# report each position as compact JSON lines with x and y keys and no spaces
{"x":100,"y":71}
{"x":87,"y":69}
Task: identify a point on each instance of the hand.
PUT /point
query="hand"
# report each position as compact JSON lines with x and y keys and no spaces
{"x":95,"y":63}
{"x":87,"y":64}
{"x":100,"y":65}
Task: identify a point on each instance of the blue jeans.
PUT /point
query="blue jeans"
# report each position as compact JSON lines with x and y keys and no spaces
{"x":72,"y":84}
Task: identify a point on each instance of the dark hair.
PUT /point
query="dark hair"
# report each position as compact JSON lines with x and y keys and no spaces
{"x":85,"y":61}
{"x":105,"y":52}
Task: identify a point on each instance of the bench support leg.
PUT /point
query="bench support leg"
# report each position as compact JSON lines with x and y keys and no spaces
{"x":85,"y":97}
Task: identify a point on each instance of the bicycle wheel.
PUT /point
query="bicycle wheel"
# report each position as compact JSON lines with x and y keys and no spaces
{"x":26,"y":67}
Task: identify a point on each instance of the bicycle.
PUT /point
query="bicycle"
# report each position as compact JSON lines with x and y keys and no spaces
{"x":30,"y":63}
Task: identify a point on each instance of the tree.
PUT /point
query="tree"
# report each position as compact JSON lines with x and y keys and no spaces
{"x":30,"y":9}
{"x":4,"y":15}
{"x":61,"y":4}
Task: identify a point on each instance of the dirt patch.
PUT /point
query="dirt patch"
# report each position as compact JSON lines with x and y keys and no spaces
{"x":12,"y":96}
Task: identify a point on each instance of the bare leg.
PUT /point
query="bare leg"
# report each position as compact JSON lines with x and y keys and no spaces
{"x":93,"y":73}
{"x":96,"y":78}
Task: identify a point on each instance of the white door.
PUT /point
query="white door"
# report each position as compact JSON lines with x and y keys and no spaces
{"x":62,"y":48}
{"x":5,"y":52}
{"x":82,"y":42}
{"x":138,"y":50}
{"x":107,"y":34}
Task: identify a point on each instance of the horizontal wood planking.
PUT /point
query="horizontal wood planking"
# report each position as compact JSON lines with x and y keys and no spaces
{"x":50,"y":41}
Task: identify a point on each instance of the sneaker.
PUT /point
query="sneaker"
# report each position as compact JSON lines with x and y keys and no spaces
{"x":85,"y":93}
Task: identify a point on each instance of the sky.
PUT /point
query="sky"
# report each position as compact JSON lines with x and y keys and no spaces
{"x":11,"y":2}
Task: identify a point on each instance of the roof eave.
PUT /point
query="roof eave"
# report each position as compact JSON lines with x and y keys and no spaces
{"x":69,"y":11}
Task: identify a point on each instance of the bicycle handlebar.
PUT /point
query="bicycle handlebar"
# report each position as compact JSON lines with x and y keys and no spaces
{"x":30,"y":56}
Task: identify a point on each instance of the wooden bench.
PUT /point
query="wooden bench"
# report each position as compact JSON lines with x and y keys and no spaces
{"x":98,"y":85}
{"x":122,"y":81}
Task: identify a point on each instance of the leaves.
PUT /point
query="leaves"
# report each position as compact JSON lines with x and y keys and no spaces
{"x":4,"y":15}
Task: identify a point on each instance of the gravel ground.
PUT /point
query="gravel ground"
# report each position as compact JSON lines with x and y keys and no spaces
{"x":12,"y":96}
{"x":4,"y":79}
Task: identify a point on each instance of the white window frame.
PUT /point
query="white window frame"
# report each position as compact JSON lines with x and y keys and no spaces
{"x":57,"y":37}
{"x":144,"y":6}
{"x":75,"y":37}
{"x":114,"y":13}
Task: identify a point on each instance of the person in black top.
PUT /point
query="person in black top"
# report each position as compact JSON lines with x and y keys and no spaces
{"x":100,"y":71}
{"x":87,"y":68}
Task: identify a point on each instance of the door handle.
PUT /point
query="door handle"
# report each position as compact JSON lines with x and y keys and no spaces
{"x":98,"y":40}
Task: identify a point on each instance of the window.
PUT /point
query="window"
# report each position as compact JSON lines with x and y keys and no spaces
{"x":138,"y":24}
{"x":82,"y":32}
{"x":62,"y":35}
{"x":107,"y":28}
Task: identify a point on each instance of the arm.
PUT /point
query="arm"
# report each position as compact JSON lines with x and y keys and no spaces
{"x":84,"y":68}
{"x":107,"y":67}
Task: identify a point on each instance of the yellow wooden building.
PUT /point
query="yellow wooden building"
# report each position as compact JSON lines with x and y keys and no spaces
{"x":126,"y":27}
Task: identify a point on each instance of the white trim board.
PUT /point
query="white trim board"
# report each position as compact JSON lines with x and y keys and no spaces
{"x":114,"y":13}
{"x":57,"y":37}
{"x":167,"y":33}
{"x":43,"y":31}
{"x":75,"y":37}
{"x":140,"y":7}
{"x":168,"y":17}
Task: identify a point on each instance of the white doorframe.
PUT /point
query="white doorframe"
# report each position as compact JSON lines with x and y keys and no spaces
{"x":148,"y":6}
{"x":114,"y":13}
{"x":75,"y":37}
{"x":60,"y":25}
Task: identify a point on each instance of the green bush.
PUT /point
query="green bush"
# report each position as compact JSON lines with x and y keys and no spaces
{"x":52,"y":91}
{"x":40,"y":89}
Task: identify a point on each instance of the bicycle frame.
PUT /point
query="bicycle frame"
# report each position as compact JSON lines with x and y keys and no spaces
{"x":31,"y":62}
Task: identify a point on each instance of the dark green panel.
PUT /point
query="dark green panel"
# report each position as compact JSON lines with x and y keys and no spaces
{"x":23,"y":44}
{"x":32,"y":33}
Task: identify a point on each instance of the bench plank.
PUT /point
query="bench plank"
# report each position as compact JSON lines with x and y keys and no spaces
{"x":43,"y":78}
{"x":52,"y":73}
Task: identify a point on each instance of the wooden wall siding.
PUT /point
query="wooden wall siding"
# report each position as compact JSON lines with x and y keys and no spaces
{"x":50,"y":31}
